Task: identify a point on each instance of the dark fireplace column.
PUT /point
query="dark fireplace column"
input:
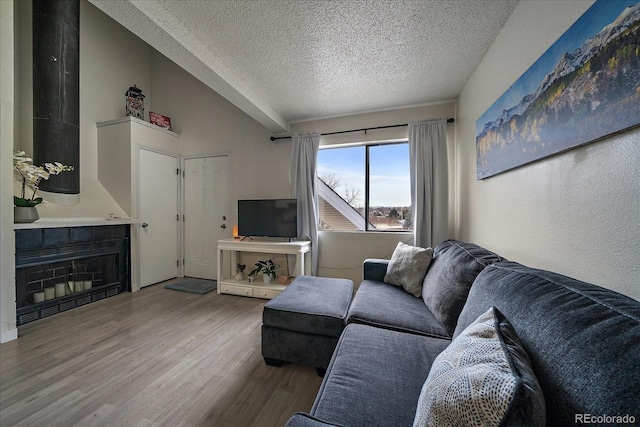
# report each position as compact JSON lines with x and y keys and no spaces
{"x":56,"y":90}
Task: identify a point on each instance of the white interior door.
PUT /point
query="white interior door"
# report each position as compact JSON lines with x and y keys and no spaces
{"x":158,"y":213}
{"x":206,"y":201}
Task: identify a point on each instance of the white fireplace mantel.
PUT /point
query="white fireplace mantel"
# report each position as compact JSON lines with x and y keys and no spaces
{"x":72,"y":222}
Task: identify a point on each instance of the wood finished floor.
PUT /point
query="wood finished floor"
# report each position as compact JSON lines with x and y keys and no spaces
{"x":152,"y":358}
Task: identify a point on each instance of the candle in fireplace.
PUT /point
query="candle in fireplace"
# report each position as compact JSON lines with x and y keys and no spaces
{"x":60,"y":290}
{"x":38,"y":297}
{"x":49,"y":294}
{"x":76,"y":286}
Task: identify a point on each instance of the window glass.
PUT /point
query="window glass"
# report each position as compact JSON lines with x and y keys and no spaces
{"x":341,"y":193}
{"x":389,"y":187}
{"x":352,"y":199}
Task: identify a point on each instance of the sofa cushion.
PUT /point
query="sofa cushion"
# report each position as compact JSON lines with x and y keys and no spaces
{"x":483,"y":376}
{"x":450,"y":277}
{"x":583,"y":340}
{"x":379,"y":304}
{"x":408,"y":266}
{"x":444,"y":246}
{"x":375,"y":377}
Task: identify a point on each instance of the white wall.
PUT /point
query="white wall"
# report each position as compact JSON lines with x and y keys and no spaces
{"x":342,"y":253}
{"x":576,"y":213}
{"x":111,"y":60}
{"x":209,"y":124}
{"x":8,"y":329}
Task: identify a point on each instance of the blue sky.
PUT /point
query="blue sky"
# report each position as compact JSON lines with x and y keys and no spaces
{"x":601,"y":13}
{"x":389,"y":170}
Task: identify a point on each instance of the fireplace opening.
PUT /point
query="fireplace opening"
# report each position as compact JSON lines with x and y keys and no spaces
{"x":63,"y":268}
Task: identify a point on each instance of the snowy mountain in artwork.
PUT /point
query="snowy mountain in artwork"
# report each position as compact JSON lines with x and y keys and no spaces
{"x":571,"y":62}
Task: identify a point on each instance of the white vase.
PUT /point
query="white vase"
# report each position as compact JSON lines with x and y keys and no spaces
{"x":25,"y":214}
{"x":266,"y":278}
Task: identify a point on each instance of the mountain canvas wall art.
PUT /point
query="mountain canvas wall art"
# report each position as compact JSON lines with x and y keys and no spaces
{"x":584,"y":87}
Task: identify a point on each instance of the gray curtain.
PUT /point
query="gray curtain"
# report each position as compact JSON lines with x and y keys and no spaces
{"x":429,"y":181}
{"x":304,"y":157}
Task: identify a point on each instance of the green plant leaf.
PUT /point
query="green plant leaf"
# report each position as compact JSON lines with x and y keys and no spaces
{"x":26,"y":203}
{"x":267,"y":267}
{"x":255,"y":271}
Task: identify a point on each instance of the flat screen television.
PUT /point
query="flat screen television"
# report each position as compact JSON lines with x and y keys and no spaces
{"x":268,"y":218}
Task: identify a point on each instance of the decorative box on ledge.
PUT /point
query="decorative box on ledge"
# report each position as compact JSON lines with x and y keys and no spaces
{"x":61,"y":268}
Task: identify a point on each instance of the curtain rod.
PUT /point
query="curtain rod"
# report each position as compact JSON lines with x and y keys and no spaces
{"x":273,"y":138}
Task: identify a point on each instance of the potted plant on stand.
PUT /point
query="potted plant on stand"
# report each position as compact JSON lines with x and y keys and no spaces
{"x":25,"y":207}
{"x":268,"y":269}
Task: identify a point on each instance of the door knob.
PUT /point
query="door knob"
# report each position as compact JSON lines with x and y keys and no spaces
{"x":223,"y":226}
{"x":144,"y":225}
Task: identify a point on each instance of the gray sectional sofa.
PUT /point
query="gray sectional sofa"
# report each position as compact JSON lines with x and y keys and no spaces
{"x":581,"y":341}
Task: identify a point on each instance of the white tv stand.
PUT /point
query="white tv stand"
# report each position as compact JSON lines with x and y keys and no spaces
{"x":228,"y":285}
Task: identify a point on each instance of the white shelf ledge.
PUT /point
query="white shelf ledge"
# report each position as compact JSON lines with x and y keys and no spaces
{"x":72,"y":222}
{"x":136,"y":120}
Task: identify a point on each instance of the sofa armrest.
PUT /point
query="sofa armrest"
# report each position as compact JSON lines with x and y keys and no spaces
{"x":300,"y":419}
{"x":374,"y":269}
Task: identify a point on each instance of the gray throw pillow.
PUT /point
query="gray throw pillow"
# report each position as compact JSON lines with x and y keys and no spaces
{"x":484,"y":377}
{"x":408,"y":266}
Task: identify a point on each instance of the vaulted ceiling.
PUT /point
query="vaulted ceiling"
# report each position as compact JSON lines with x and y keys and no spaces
{"x":291,"y":60}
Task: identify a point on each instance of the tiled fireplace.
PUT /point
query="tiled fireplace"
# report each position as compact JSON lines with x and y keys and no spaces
{"x":61,"y":268}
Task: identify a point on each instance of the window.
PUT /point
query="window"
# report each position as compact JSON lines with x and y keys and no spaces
{"x":365,"y":187}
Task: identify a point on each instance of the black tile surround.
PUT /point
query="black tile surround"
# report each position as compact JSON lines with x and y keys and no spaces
{"x":46,"y":256}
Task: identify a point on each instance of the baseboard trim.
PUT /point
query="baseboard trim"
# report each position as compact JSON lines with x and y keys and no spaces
{"x":9,"y":335}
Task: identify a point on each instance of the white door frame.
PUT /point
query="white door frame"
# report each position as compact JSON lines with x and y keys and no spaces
{"x":136,"y":214}
{"x":232,"y":215}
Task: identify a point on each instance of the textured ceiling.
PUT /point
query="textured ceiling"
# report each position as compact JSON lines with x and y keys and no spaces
{"x":290,"y":60}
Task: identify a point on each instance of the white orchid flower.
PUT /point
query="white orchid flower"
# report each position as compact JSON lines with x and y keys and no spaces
{"x":31,"y":175}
